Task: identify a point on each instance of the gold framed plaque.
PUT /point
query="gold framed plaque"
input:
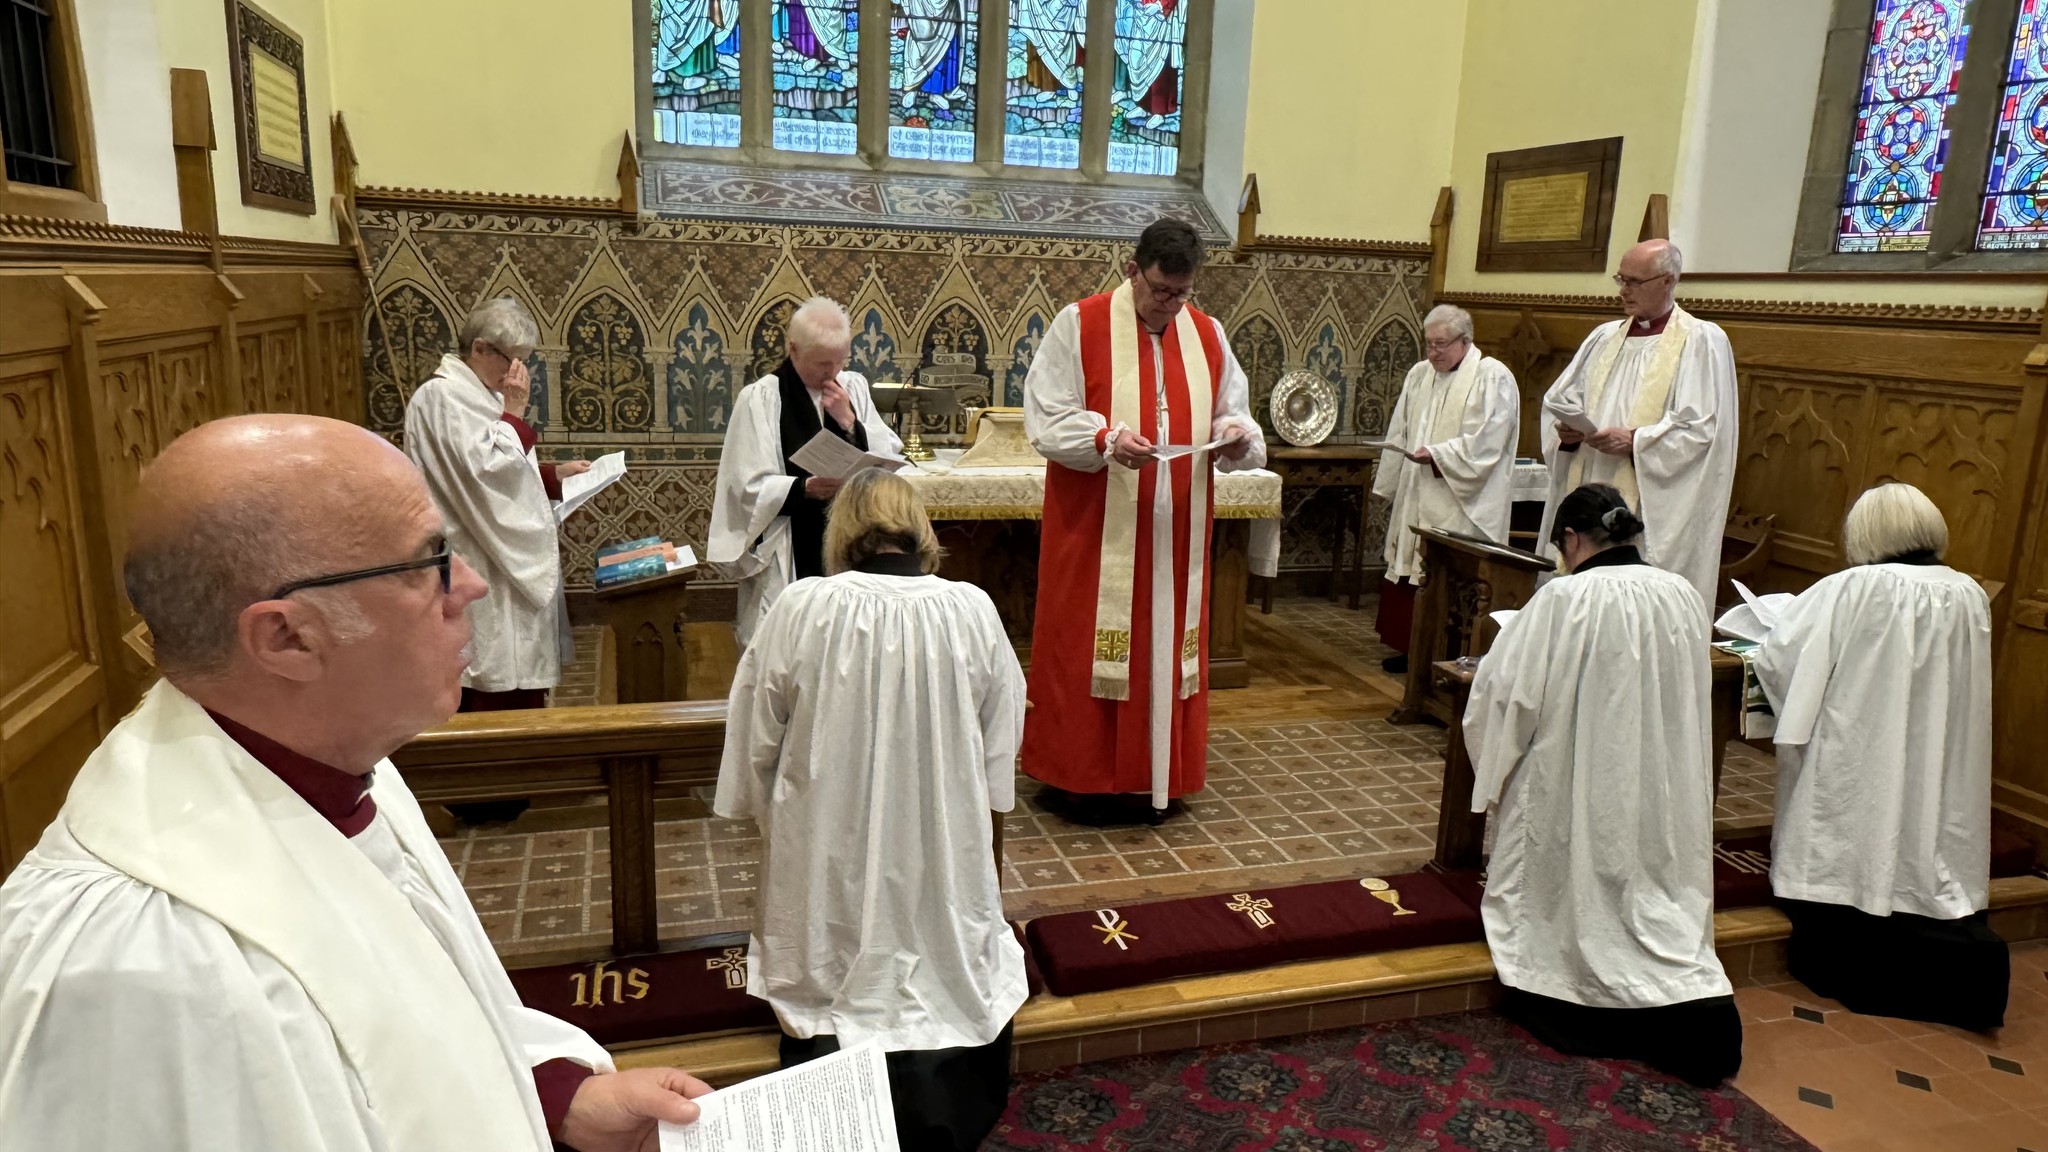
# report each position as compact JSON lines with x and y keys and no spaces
{"x":274,"y":145}
{"x":1549,"y":209}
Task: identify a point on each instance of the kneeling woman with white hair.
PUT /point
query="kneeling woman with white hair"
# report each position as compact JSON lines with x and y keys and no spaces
{"x":1588,"y":728}
{"x":873,"y":727}
{"x":1881,"y":852}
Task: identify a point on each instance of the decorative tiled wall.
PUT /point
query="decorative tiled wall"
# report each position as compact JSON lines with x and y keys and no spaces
{"x":648,"y":330}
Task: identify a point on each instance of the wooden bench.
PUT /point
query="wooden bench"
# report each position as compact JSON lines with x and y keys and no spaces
{"x":623,"y":751}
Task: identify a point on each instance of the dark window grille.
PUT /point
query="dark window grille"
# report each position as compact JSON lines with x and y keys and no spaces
{"x":29,"y":135}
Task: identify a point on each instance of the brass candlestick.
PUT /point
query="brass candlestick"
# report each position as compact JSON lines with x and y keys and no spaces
{"x":913,"y":435}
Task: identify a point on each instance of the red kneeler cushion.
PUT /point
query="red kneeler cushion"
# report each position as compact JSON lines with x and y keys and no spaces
{"x":1742,"y":868}
{"x":1141,"y":943}
{"x":652,"y":997}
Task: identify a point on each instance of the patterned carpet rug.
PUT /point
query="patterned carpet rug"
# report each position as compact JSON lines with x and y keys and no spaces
{"x":1465,"y":1083}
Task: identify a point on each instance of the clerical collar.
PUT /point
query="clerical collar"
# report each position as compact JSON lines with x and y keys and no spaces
{"x":1611,"y":557}
{"x":343,"y":798}
{"x":1637,"y":327}
{"x":1921,"y":556}
{"x":891,"y":564}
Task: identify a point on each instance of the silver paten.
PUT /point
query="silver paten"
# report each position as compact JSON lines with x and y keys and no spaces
{"x":1304,"y":408}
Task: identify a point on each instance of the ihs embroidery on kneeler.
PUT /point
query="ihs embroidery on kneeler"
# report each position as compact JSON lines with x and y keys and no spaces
{"x":1747,"y":861}
{"x":1386,"y":893}
{"x":1258,"y":909}
{"x":1113,"y":928}
{"x":734,"y":962}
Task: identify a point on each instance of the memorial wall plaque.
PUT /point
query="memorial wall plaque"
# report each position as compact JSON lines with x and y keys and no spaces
{"x":274,"y":146}
{"x":1549,"y":209}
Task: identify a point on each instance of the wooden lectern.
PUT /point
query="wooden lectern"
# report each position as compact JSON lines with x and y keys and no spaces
{"x":1464,"y":579}
{"x":646,"y":618}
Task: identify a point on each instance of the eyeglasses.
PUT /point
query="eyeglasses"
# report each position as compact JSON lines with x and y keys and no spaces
{"x":1166,"y":295}
{"x":1441,"y":345}
{"x":443,"y":558}
{"x":1621,"y":281}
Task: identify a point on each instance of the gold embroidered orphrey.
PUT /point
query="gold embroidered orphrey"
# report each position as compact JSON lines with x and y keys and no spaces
{"x":734,"y":962}
{"x":1385,"y":893}
{"x":1259,"y":909}
{"x":1113,"y":929}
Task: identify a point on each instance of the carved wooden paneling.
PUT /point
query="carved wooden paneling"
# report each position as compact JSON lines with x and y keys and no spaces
{"x":50,"y":682}
{"x":1957,"y":449}
{"x":1797,"y":432}
{"x":337,"y":374}
{"x":273,"y":366}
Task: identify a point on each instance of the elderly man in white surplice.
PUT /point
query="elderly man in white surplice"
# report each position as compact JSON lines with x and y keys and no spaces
{"x":1450,"y":464}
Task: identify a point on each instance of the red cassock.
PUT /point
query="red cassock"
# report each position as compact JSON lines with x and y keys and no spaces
{"x":1074,"y":740}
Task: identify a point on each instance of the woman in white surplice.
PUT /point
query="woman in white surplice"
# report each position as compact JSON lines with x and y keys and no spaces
{"x":1588,"y":732}
{"x":464,"y":430}
{"x":1881,"y":852}
{"x":873,"y":726}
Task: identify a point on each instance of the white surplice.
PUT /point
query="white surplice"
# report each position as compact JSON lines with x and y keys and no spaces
{"x":1588,"y":731}
{"x":1684,"y":461}
{"x":489,"y":491}
{"x":1061,"y":426}
{"x":1881,"y":679}
{"x":1473,"y":447}
{"x":873,"y":726}
{"x":748,"y":530}
{"x":194,"y":959}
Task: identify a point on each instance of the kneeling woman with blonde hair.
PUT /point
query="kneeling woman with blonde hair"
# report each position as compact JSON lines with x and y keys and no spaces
{"x":1881,"y":851}
{"x":872,"y":728}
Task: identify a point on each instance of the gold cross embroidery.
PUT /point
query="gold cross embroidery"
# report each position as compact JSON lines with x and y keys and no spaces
{"x":734,"y":962}
{"x":1255,"y":908}
{"x":1113,"y":929}
{"x":1191,"y":644}
{"x":1113,"y":644}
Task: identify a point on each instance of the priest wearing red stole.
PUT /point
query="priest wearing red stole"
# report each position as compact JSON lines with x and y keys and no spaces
{"x":1125,"y":398}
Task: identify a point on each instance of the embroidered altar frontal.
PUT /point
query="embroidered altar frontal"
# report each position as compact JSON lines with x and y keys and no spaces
{"x":1118,"y":947}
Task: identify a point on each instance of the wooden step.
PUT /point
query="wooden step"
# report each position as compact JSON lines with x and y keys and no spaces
{"x":1055,"y":1031}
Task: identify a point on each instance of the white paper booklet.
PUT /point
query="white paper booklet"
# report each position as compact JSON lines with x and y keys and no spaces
{"x":837,"y":1103}
{"x":829,"y":457}
{"x":577,"y":490}
{"x":1580,"y":422}
{"x":1754,"y":618}
{"x":1176,"y":451}
{"x":686,"y":557}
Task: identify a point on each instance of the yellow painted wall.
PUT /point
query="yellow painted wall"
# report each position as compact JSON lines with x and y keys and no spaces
{"x":1351,"y":114}
{"x":1551,"y":73}
{"x":193,"y":34}
{"x":510,"y":96}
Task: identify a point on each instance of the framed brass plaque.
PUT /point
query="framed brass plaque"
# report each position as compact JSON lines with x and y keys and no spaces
{"x":274,"y":148}
{"x":1549,"y":209}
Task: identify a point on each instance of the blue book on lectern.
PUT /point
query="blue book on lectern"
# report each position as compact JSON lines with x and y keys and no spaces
{"x":627,"y":571}
{"x":628,"y":546}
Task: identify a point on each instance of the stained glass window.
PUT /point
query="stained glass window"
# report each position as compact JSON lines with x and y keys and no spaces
{"x":1144,"y":103}
{"x":932,"y":53}
{"x":697,"y":72}
{"x":2015,"y":211}
{"x":1910,"y":77}
{"x":1042,"y":116}
{"x":816,"y":49}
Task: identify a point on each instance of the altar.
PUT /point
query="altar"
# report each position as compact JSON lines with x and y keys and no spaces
{"x":987,"y":521}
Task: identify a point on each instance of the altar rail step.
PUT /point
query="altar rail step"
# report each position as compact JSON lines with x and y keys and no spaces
{"x":1057,"y":1031}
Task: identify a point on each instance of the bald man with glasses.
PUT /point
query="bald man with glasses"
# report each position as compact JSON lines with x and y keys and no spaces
{"x":239,"y":934}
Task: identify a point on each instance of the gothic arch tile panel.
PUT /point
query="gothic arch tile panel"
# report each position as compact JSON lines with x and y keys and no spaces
{"x":607,"y":385}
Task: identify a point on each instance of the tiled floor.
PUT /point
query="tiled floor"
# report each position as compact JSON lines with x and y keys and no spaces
{"x":1307,"y":781}
{"x":1852,"y":1083}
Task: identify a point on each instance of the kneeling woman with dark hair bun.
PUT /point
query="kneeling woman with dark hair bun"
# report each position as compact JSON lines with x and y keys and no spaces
{"x":1589,"y":735}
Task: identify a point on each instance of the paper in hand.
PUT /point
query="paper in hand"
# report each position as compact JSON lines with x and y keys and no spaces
{"x":1755,"y":617}
{"x":577,"y":490}
{"x":1176,"y":451}
{"x":829,"y":457}
{"x":1580,"y":422}
{"x":836,"y":1103}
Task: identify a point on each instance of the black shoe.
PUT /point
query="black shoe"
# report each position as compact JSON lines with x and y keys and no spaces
{"x":1396,"y":665}
{"x":488,"y":812}
{"x":1103,"y":810}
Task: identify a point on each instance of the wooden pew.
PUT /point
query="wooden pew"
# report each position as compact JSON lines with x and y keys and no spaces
{"x":624,"y":751}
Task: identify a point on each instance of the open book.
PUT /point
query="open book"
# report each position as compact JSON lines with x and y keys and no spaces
{"x":577,"y":490}
{"x":828,"y":457}
{"x":1754,"y":618}
{"x":836,"y":1103}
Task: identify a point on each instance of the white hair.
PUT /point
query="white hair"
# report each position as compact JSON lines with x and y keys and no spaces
{"x":820,"y":323}
{"x":1448,"y":317}
{"x":1891,"y":520}
{"x":1667,"y":260}
{"x":501,"y":322}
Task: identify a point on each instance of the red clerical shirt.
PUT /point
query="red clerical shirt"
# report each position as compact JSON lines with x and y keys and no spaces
{"x":344,"y":799}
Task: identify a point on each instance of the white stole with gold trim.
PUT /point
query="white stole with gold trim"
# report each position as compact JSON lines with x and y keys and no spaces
{"x":1653,"y":394}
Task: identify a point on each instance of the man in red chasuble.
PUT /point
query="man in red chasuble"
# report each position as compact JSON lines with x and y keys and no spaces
{"x":1132,"y":398}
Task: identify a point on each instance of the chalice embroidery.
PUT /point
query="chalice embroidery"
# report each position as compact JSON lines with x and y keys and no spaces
{"x":1385,"y":893}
